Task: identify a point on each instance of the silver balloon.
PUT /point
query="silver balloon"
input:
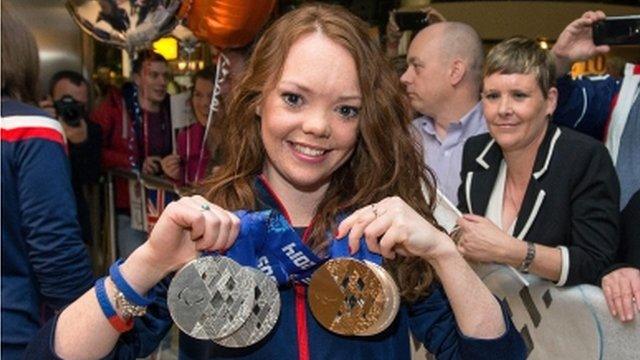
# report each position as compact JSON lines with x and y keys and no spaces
{"x":188,"y":42}
{"x":128,"y":24}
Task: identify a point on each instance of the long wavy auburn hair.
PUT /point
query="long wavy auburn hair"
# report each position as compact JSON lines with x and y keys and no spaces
{"x":387,"y":160}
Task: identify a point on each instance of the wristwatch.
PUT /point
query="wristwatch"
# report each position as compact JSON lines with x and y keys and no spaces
{"x":528,"y":259}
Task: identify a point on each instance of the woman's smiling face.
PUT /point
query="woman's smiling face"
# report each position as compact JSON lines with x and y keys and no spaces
{"x":516,"y":109}
{"x":309,"y":119}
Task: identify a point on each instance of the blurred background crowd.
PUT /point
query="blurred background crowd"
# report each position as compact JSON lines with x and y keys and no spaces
{"x":140,"y":94}
{"x":192,"y":37}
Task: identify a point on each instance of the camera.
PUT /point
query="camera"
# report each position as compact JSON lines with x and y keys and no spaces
{"x":69,"y":110}
{"x":411,"y":20}
{"x":617,"y":30}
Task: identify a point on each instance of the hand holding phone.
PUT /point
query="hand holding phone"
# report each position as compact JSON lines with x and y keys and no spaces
{"x":617,"y":30}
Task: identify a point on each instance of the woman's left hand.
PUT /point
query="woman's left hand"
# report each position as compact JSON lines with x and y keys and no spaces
{"x":392,"y":227}
{"x":481,"y":240}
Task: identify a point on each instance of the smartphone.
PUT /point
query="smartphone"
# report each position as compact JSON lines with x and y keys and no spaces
{"x":617,"y":30}
{"x":411,"y":20}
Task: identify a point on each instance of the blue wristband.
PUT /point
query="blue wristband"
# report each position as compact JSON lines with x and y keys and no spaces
{"x":103,"y":299}
{"x":109,"y":312}
{"x":126,"y":289}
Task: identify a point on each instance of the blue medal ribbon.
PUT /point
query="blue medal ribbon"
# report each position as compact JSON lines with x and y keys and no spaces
{"x":340,"y":248}
{"x":268,"y":242}
{"x":296,"y":259}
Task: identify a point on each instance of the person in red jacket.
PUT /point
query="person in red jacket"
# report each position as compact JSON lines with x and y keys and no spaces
{"x":136,"y":128}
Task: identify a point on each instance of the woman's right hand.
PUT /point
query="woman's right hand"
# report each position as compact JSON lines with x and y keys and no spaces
{"x":186,"y":227}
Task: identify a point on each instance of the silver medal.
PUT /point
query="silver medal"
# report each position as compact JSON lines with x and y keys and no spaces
{"x":210,"y":297}
{"x":264,"y":315}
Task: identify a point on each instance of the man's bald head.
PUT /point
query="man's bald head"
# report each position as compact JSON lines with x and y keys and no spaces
{"x":444,"y":66}
{"x":457,"y":40}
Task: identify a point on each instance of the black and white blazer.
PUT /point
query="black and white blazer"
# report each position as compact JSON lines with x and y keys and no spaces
{"x":571,"y":201}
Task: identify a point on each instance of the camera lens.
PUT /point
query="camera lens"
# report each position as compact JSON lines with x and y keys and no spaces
{"x":69,"y":110}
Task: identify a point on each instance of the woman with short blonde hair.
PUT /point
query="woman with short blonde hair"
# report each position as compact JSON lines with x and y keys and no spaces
{"x":539,"y":197}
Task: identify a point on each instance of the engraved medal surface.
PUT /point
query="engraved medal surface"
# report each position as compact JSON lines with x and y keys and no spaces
{"x":346,"y":296}
{"x":264,"y":314}
{"x":210,"y":297}
{"x":391,"y":299}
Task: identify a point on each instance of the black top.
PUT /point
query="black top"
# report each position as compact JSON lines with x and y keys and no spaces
{"x":629,"y":251}
{"x":571,"y":200}
{"x":85,"y":170}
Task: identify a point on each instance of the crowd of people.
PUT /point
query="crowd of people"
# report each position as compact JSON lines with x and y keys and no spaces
{"x":319,"y":126}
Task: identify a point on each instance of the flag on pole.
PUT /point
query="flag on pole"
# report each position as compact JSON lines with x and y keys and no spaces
{"x":157,"y":200}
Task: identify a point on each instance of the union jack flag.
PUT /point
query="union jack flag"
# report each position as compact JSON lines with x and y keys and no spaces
{"x":157,"y":199}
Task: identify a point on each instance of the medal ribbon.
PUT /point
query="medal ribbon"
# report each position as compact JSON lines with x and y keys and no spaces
{"x":266,"y":241}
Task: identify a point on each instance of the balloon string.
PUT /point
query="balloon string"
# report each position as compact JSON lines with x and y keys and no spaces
{"x":189,"y":62}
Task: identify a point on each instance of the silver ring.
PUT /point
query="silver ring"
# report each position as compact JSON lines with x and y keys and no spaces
{"x":205,"y":207}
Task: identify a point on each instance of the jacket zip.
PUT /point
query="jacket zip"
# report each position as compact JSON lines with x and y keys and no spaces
{"x":299,"y":289}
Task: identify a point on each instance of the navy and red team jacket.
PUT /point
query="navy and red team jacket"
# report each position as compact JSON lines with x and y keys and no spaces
{"x":44,"y":262}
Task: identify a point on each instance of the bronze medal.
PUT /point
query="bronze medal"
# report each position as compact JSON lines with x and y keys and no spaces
{"x":391,"y":299}
{"x":346,"y":296}
{"x":210,"y":298}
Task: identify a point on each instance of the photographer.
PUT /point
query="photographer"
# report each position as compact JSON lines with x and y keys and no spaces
{"x":69,"y":102}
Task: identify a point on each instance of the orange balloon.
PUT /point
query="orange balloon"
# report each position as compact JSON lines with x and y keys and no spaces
{"x":226,"y":23}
